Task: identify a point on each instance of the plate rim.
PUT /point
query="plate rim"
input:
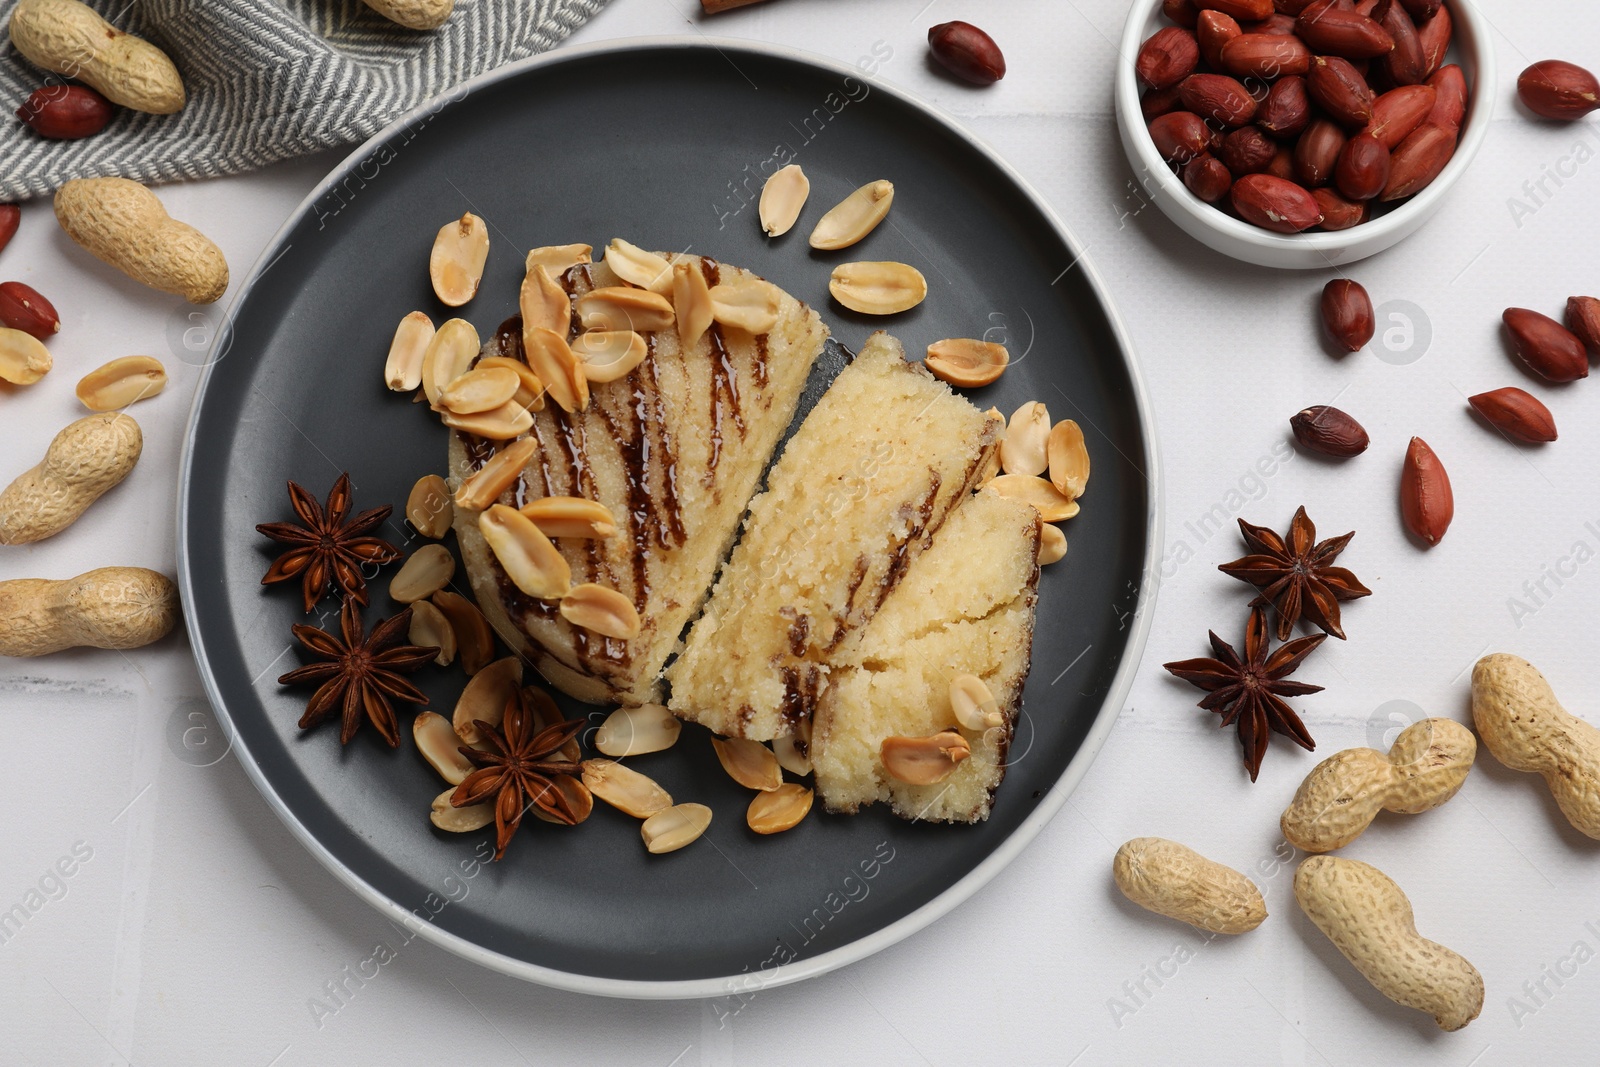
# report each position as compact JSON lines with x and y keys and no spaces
{"x":884,"y":937}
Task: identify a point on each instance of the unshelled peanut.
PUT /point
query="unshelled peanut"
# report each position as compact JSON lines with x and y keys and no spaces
{"x":1526,"y":728}
{"x":1344,"y":793}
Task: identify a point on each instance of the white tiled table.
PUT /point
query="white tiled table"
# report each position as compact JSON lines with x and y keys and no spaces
{"x":193,"y":929}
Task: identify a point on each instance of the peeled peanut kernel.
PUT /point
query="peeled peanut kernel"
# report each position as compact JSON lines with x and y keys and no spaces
{"x":1176,"y":881}
{"x":122,"y":382}
{"x":479,"y":390}
{"x":577,"y":796}
{"x":622,"y":307}
{"x":974,"y":705}
{"x":456,"y":264}
{"x":677,"y":826}
{"x":605,"y":611}
{"x":636,"y":731}
{"x":428,"y":508}
{"x":446,"y":816}
{"x":543,"y":302}
{"x":746,"y":303}
{"x":793,"y":751}
{"x":570,"y":516}
{"x":402,"y":371}
{"x":638,"y":267}
{"x":885,"y":288}
{"x":553,"y":360}
{"x":966,"y":362}
{"x":504,"y":423}
{"x":624,"y":788}
{"x":1051,"y":505}
{"x":924,"y":760}
{"x":440,"y":746}
{"x":23,"y":357}
{"x":430,"y":629}
{"x":529,"y":559}
{"x":474,"y":639}
{"x":448,"y":356}
{"x":1052,"y":544}
{"x":1368,"y":919}
{"x":485,"y":698}
{"x":854,"y":217}
{"x":558,"y":259}
{"x":782,"y":198}
{"x":779,"y":809}
{"x":691,"y":303}
{"x":530,"y":391}
{"x":578,"y":799}
{"x":608,"y":355}
{"x":750,"y":763}
{"x":429,"y":570}
{"x":489,"y":481}
{"x":1025,"y":449}
{"x":1069,"y":459}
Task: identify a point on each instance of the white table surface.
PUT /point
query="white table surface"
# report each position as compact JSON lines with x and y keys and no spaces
{"x":198,"y":931}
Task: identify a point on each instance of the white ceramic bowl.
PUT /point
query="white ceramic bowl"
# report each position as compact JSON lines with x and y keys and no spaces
{"x":1471,"y":48}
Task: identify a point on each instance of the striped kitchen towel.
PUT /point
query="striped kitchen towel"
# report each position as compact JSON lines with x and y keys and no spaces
{"x":267,"y":80}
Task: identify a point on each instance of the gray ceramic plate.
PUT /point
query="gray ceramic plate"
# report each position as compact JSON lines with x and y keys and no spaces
{"x":663,"y":141}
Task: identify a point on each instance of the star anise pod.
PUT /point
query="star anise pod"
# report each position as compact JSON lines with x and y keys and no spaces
{"x":516,"y":770}
{"x":1297,"y":577}
{"x":1250,"y":690}
{"x":360,"y":674}
{"x":326,"y":549}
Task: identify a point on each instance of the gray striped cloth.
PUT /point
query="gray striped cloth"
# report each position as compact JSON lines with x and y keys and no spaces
{"x":268,"y":80}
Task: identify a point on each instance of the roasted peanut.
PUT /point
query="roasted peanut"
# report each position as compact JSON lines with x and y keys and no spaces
{"x":780,"y":809}
{"x":635,"y":731}
{"x":455,"y":265}
{"x":446,"y":816}
{"x":122,"y":382}
{"x":675,"y":827}
{"x":782,"y":197}
{"x":750,"y":763}
{"x":924,"y":760}
{"x":23,"y":357}
{"x":625,"y":788}
{"x":485,"y":698}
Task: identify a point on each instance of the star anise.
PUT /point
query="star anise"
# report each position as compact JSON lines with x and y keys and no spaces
{"x":1250,"y":690}
{"x":360,"y":674}
{"x":326,"y":549}
{"x":516,"y":769}
{"x":1297,"y":577}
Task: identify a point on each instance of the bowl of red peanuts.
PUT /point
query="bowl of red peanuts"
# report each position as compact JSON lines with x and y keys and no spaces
{"x":1302,"y":133}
